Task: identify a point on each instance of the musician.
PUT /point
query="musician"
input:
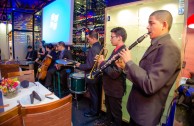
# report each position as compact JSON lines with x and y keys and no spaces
{"x":156,"y":73}
{"x":63,"y":54}
{"x":50,"y":52}
{"x":41,"y":51}
{"x":31,"y":55}
{"x":92,"y":88}
{"x":114,"y":82}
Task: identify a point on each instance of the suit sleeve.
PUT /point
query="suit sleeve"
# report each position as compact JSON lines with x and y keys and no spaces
{"x":27,"y":55}
{"x":54,"y":56}
{"x":34,"y":56}
{"x":90,"y":59}
{"x":164,"y":66}
{"x":67,"y":55}
{"x":112,"y":71}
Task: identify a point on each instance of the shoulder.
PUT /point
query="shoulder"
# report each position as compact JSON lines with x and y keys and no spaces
{"x":97,"y":45}
{"x":170,"y":47}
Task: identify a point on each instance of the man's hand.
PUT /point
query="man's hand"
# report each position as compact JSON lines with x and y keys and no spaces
{"x":120,"y":63}
{"x":100,"y":59}
{"x":125,"y":54}
{"x":77,"y":64}
{"x":58,"y":67}
{"x":49,"y":55}
{"x":36,"y":59}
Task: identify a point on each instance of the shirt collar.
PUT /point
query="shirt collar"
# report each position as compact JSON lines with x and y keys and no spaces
{"x":153,"y":41}
{"x":95,"y":43}
{"x":117,"y":47}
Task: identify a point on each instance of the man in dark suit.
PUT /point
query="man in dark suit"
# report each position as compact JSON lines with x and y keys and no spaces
{"x":31,"y":55}
{"x":156,"y":73}
{"x":94,"y":89}
{"x":114,"y":82}
{"x":63,"y":54}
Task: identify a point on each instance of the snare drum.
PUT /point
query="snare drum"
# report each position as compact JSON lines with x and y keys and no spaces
{"x":77,"y":83}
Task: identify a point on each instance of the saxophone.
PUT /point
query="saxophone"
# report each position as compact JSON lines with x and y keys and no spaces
{"x":89,"y":77}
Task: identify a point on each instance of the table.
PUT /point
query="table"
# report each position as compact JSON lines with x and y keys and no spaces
{"x":25,"y":92}
{"x":28,"y":65}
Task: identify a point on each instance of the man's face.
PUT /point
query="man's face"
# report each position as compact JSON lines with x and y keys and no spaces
{"x":90,"y":40}
{"x":59,"y":47}
{"x":114,"y":39}
{"x":47,"y":49}
{"x":29,"y":49}
{"x":155,"y":27}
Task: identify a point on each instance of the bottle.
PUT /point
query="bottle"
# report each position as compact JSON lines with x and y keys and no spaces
{"x":17,"y":60}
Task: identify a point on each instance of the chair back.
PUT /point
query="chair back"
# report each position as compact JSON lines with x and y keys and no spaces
{"x":11,"y":117}
{"x":23,"y":75}
{"x":57,"y":113}
{"x":7,"y":68}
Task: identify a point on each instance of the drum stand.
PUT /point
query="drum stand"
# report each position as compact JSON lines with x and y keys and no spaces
{"x":76,"y":100}
{"x":75,"y":92}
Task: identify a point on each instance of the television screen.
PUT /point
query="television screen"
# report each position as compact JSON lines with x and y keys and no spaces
{"x":58,"y":22}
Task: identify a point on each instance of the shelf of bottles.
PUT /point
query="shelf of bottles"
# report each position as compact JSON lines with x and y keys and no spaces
{"x":79,"y":52}
{"x":37,"y":29}
{"x":89,"y":15}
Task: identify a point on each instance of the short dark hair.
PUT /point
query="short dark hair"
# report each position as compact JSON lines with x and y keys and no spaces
{"x":50,"y":46}
{"x":93,"y":34}
{"x":29,"y":47}
{"x":61,"y":43}
{"x":119,"y":31}
{"x":163,"y":15}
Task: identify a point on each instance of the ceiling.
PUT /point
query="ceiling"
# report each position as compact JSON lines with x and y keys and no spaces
{"x":31,"y":6}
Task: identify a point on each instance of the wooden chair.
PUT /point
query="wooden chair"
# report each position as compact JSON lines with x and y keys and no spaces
{"x":57,"y":113}
{"x":23,"y":75}
{"x":11,"y":117}
{"x":6,"y":68}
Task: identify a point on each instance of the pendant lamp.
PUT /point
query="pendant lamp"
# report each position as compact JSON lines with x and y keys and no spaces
{"x":190,"y":21}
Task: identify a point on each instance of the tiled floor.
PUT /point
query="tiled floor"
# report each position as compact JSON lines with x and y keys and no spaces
{"x":78,"y":117}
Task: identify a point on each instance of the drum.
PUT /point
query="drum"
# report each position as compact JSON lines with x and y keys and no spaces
{"x":77,"y":83}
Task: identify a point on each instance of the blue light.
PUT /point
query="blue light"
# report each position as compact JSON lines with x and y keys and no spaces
{"x":57,"y":21}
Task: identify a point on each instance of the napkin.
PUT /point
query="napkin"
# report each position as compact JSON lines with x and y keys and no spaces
{"x":24,"y":83}
{"x":34,"y":95}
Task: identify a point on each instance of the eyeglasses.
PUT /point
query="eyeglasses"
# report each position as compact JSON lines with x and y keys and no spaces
{"x":112,"y":37}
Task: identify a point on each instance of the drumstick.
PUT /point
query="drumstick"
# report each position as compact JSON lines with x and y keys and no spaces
{"x":49,"y":94}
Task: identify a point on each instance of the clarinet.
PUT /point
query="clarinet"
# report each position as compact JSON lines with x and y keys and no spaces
{"x":116,"y":56}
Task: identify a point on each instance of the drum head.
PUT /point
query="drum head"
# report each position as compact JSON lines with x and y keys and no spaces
{"x":77,"y":75}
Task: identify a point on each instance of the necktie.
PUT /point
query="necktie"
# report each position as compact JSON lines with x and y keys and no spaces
{"x":61,"y":55}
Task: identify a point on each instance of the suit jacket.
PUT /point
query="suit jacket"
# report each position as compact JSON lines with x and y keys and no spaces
{"x":93,"y":51}
{"x":31,"y":56}
{"x":114,"y":80}
{"x":66,"y":54}
{"x":152,"y":81}
{"x":54,"y":58}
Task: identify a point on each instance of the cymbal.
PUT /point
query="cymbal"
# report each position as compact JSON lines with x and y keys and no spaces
{"x":64,"y":61}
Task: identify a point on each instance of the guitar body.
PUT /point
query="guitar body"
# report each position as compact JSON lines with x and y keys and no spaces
{"x":42,"y":70}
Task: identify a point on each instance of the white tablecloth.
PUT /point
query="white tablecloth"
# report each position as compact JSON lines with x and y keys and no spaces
{"x":25,"y":92}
